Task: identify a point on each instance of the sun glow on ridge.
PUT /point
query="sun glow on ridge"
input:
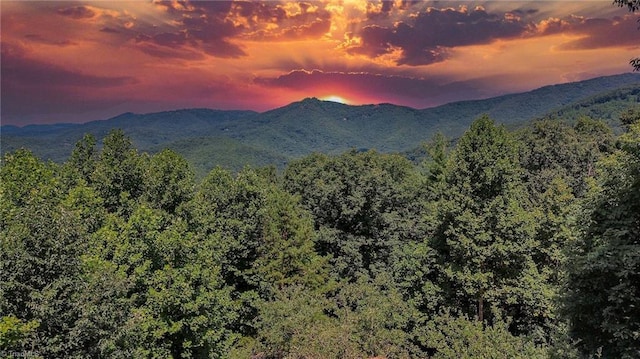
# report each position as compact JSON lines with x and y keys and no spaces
{"x":334,"y":98}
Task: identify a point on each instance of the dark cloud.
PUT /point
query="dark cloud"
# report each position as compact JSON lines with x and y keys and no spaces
{"x":199,"y":26}
{"x":19,"y":70}
{"x":259,"y":12}
{"x":172,"y":6}
{"x":223,"y":48}
{"x":523,"y":12}
{"x":418,"y":92}
{"x":216,"y":28}
{"x":77,"y":12}
{"x":48,"y":41}
{"x":168,"y":39}
{"x":309,"y":22}
{"x":186,"y":44}
{"x":593,"y":33}
{"x":109,"y":30}
{"x":211,"y":8}
{"x":379,"y":10}
{"x":164,"y":52}
{"x":383,"y":8}
{"x":600,"y":33}
{"x":425,"y":38}
{"x":32,"y":87}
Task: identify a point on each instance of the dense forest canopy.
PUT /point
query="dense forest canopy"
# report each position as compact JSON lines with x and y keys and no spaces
{"x":521,"y":244}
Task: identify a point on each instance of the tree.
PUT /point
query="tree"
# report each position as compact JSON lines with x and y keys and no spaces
{"x":83,"y":159}
{"x":168,"y":181}
{"x":632,"y":6}
{"x":553,"y":150}
{"x":435,"y":166}
{"x":362,"y":319}
{"x":630,"y":117}
{"x":363,"y":205}
{"x":603,"y":291}
{"x":262,"y":238}
{"x":41,"y":241}
{"x":452,"y":337}
{"x":487,"y":234}
{"x":118,"y":173}
{"x":154,"y":290}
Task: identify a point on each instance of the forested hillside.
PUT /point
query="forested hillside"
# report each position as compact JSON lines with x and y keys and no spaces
{"x":508,"y":244}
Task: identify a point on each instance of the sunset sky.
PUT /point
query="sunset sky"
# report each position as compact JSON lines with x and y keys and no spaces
{"x":89,"y":60}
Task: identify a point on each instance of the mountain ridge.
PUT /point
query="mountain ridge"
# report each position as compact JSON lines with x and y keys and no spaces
{"x":313,"y":125}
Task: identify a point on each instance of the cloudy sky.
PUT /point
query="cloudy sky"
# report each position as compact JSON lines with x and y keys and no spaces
{"x":76,"y":61}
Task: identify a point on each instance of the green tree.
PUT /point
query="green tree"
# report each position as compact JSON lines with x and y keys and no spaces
{"x":553,"y":150}
{"x":451,"y":337}
{"x":40,"y":244}
{"x":630,"y":117}
{"x":168,"y":181}
{"x":362,"y":319}
{"x":262,"y":238}
{"x":597,"y":139}
{"x":14,"y":332}
{"x":487,"y":234}
{"x":118,"y":173}
{"x":165,"y":296}
{"x":438,"y":151}
{"x":363,"y":204}
{"x":602,"y":300}
{"x":82,"y":162}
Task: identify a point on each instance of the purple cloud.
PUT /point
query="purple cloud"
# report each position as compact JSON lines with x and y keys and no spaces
{"x":425,"y":38}
{"x":34,"y":88}
{"x":19,"y":70}
{"x":77,"y":12}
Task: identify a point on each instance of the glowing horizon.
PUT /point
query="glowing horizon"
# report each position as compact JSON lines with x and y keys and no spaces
{"x":335,"y":98}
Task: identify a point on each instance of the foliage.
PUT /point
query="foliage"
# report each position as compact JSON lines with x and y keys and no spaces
{"x":552,"y":151}
{"x":118,"y":173}
{"x":363,"y":204}
{"x":168,"y":181}
{"x":14,"y":331}
{"x":487,"y":233}
{"x":361,"y":319}
{"x":458,"y":337}
{"x":120,"y":254}
{"x":603,"y":294}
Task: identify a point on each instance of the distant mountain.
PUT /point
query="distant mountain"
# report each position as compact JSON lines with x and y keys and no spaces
{"x":235,"y":138}
{"x":147,"y":131}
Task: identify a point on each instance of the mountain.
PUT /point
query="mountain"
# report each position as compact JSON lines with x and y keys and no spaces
{"x":235,"y":138}
{"x":606,"y":106}
{"x":147,"y":131}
